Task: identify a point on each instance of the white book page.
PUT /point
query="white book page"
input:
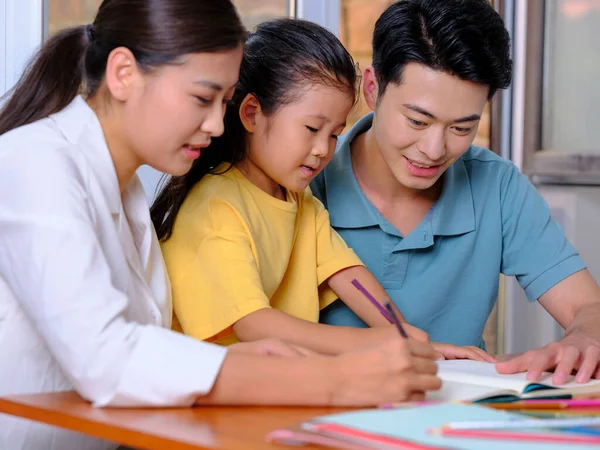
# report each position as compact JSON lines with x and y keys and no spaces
{"x":464,"y":380}
{"x":457,"y":391}
{"x":480,"y":373}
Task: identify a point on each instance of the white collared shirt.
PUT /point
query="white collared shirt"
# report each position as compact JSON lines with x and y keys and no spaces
{"x":85,"y":303}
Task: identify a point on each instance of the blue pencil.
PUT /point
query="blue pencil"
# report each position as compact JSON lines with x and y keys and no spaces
{"x":582,"y":430}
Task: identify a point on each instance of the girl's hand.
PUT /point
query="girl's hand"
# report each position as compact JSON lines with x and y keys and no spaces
{"x":396,"y":370}
{"x":271,"y":347}
{"x":449,"y":351}
{"x":415,"y":333}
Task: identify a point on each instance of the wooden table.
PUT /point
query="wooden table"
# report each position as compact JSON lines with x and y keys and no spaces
{"x":154,"y":429}
{"x":176,"y":429}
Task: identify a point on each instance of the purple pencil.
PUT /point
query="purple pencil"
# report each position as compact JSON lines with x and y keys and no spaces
{"x":375,"y":303}
{"x":388,"y":312}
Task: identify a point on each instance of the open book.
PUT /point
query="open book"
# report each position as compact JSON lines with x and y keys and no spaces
{"x":478,"y":381}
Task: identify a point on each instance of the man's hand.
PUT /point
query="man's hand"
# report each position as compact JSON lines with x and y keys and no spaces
{"x":574,"y":352}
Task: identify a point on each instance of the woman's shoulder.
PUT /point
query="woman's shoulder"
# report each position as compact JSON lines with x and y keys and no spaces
{"x":38,"y":151}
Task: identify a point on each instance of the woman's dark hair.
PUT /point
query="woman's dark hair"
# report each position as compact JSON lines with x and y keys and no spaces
{"x":157,"y":32}
{"x":280,"y":58}
{"x":465,"y":38}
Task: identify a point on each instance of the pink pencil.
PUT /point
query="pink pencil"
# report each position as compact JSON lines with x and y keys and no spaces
{"x":336,"y":430}
{"x":517,"y":436}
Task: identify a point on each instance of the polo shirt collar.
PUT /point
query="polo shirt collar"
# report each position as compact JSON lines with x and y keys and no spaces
{"x":454,"y":214}
{"x":347,"y":204}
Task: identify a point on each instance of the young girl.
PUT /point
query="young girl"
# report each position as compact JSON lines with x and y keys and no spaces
{"x":249,"y":250}
{"x":85,"y":303}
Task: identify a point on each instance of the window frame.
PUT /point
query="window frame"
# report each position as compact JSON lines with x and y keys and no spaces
{"x":325,"y":13}
{"x":23,"y":26}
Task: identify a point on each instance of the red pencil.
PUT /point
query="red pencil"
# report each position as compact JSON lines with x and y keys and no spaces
{"x":517,"y":436}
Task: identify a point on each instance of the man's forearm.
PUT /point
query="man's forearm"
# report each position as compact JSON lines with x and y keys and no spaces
{"x":586,"y":322}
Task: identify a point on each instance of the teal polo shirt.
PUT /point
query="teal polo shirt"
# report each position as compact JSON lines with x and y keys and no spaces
{"x":444,"y":275}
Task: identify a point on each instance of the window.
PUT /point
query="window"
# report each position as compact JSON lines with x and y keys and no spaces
{"x":68,"y":13}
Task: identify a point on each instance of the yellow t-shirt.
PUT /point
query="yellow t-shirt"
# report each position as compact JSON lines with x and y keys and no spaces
{"x":236,"y":249}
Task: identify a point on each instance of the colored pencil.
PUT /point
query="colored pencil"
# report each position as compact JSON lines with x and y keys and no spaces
{"x":581,"y":403}
{"x":525,"y":423}
{"x":372,"y":299}
{"x":335,"y":430}
{"x":521,"y":406}
{"x":519,"y":436}
{"x":396,"y":320}
{"x":582,"y":430}
{"x":547,"y":414}
{"x":387,"y":312}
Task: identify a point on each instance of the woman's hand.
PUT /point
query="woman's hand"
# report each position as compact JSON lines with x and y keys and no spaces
{"x":396,"y":370}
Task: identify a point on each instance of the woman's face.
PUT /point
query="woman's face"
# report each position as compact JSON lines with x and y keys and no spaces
{"x":178,"y":108}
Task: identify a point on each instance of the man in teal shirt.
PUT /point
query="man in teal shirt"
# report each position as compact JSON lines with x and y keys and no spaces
{"x":436,"y":219}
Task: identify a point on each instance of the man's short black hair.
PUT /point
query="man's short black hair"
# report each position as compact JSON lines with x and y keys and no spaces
{"x":464,"y":38}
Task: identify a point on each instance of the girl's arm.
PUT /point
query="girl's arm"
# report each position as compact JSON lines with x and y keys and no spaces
{"x":341,"y":284}
{"x":327,"y":339}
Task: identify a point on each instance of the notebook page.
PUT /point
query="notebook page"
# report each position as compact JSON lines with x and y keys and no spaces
{"x":464,"y":380}
{"x":483,"y":374}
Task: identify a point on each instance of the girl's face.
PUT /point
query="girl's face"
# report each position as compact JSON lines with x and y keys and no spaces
{"x":291,"y":147}
{"x":178,"y":109}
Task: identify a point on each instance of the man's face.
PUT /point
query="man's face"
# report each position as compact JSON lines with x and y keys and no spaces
{"x":425,"y":123}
